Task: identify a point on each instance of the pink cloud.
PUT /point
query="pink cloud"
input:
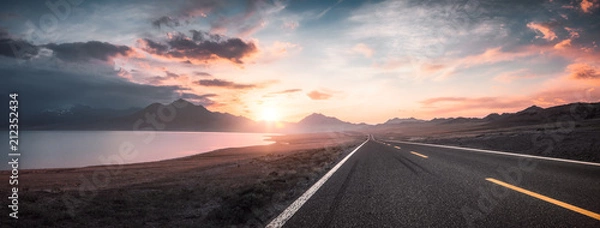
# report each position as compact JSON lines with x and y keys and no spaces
{"x":431,"y":68}
{"x":496,"y":55}
{"x":482,"y":106}
{"x":363,"y":49}
{"x":317,"y":95}
{"x":543,"y":28}
{"x":583,"y":71}
{"x":508,"y":77}
{"x":472,"y":106}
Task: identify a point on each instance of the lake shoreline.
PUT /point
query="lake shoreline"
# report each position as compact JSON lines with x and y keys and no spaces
{"x":233,"y":186}
{"x":79,"y":149}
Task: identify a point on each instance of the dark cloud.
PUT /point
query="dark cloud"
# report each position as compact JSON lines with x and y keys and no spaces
{"x":201,"y":36}
{"x":16,"y":48}
{"x":171,"y":74}
{"x":154,"y":47}
{"x":79,"y":51}
{"x":203,"y":74}
{"x":157,"y":80}
{"x":316,"y":95}
{"x":224,"y":84}
{"x":204,"y":100}
{"x":166,"y":21}
{"x":202,"y":46}
{"x":41,"y":89}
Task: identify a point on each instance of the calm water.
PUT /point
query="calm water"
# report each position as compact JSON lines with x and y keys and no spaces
{"x":62,"y":149}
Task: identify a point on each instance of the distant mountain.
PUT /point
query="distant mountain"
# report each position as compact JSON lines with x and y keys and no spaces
{"x":403,"y":121}
{"x":182,"y":115}
{"x":71,"y":115}
{"x":318,"y":122}
{"x":179,"y":115}
{"x":537,"y":115}
{"x":530,"y":116}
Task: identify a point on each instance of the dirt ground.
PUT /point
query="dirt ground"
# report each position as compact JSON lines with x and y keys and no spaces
{"x":577,"y":141}
{"x":235,"y":187}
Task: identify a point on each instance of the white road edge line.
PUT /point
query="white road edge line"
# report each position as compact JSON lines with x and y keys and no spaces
{"x":504,"y":153}
{"x":295,"y":206}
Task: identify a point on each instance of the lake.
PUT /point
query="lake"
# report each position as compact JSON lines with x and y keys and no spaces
{"x":65,"y":149}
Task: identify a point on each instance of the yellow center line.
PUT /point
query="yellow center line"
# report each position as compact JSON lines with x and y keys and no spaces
{"x":547,"y":199}
{"x":397,"y":147}
{"x":420,"y":155}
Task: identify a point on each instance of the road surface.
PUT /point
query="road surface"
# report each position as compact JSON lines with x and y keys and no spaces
{"x":386,"y":184}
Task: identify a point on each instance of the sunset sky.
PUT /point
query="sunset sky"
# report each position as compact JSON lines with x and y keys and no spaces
{"x":360,"y":61}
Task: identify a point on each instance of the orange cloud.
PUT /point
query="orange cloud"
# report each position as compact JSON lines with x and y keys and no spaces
{"x":430,"y":68}
{"x":316,"y":95}
{"x":587,"y":6}
{"x":544,"y":29}
{"x":563,"y":44}
{"x":583,"y":71}
{"x":573,"y":33}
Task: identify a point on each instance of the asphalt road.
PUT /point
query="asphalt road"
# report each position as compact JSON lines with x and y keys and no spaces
{"x":406,"y":185}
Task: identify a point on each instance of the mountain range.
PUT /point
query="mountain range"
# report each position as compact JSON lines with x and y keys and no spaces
{"x":182,"y":115}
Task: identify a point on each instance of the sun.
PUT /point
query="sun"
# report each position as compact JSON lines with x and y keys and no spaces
{"x":270,"y":114}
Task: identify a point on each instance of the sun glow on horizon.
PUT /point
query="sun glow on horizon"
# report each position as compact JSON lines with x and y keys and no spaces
{"x":270,"y":114}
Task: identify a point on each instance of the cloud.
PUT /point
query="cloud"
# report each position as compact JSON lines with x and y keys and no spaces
{"x":16,"y":48}
{"x":157,"y":80}
{"x":496,"y":55}
{"x":290,"y":25}
{"x":200,"y":8}
{"x":508,"y":77}
{"x":166,"y":21}
{"x":202,"y":74}
{"x":430,"y":68}
{"x":472,"y":106}
{"x":544,"y":28}
{"x":586,"y":6}
{"x":52,"y":88}
{"x":204,"y":99}
{"x":79,"y":51}
{"x":583,"y":71}
{"x":563,"y":44}
{"x":573,"y":33}
{"x":201,"y":47}
{"x":245,"y":21}
{"x":363,"y":49}
{"x":316,"y":95}
{"x":224,"y":84}
{"x":287,"y":91}
{"x":325,"y":11}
